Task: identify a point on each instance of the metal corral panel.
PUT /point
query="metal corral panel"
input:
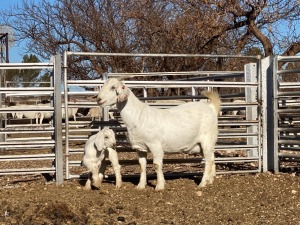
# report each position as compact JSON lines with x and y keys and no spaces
{"x":239,"y":145}
{"x":29,"y":146}
{"x":285,"y":114}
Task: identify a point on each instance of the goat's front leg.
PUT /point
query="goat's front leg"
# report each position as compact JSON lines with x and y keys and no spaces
{"x":143,"y":164}
{"x":158,"y":164}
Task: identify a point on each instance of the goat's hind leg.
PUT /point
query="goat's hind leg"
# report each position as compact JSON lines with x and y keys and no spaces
{"x":210,"y":167}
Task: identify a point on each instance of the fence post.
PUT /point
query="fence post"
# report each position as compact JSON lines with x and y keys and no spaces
{"x":270,"y":151}
{"x":59,"y":169}
{"x":105,"y":109}
{"x":251,"y":111}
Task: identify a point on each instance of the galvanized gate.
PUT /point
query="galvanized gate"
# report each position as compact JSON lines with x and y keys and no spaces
{"x":239,"y":148}
{"x":282,"y":80}
{"x":28,"y":147}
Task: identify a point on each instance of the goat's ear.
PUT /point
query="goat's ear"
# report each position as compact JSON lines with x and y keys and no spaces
{"x":122,"y":92}
{"x":99,"y":141}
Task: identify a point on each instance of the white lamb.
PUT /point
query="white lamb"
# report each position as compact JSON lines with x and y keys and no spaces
{"x":189,"y":128}
{"x":97,"y":148}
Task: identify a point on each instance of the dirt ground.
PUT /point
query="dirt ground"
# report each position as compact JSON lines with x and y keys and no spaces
{"x":232,"y":199}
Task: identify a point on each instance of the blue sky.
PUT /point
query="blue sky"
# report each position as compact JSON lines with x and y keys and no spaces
{"x":15,"y":54}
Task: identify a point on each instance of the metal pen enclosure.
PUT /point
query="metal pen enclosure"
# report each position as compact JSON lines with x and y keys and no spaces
{"x":258,"y":126}
{"x":239,"y":147}
{"x":32,"y":148}
{"x":282,"y":123}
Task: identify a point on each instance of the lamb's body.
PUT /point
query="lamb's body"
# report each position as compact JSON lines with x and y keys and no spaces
{"x":97,"y":148}
{"x":183,"y":128}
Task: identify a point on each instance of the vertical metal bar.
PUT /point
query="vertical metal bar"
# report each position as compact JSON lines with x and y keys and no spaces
{"x":265,"y":64}
{"x":268,"y":114}
{"x":251,"y":111}
{"x":275,"y":116}
{"x":66,"y":120}
{"x":259,"y":112}
{"x":145,"y":93}
{"x":106,"y":108}
{"x":193,"y":93}
{"x":59,"y":167}
{"x":6,"y":41}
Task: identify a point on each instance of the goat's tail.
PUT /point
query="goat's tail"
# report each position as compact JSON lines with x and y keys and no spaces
{"x":214,"y":99}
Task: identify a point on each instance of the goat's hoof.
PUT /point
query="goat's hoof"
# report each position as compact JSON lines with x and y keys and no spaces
{"x":118,"y":185}
{"x":159,"y":188}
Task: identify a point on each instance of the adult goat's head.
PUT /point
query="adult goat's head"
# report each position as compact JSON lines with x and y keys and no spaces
{"x":113,"y":91}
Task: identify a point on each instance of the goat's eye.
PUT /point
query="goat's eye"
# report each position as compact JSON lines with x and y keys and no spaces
{"x":106,"y":137}
{"x":113,"y":88}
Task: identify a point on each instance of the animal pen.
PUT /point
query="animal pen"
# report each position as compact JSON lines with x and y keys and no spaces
{"x":250,"y":139}
{"x":239,"y":145}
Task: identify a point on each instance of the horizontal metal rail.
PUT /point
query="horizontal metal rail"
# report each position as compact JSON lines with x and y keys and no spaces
{"x":30,"y":66}
{"x":21,"y":171}
{"x":179,"y":161}
{"x":27,"y":157}
{"x":169,"y":84}
{"x":158,"y":55}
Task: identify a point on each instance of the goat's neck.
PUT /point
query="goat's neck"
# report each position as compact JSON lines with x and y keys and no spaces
{"x":130,"y":109}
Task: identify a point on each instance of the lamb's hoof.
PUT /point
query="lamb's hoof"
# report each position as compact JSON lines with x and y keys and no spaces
{"x":202,"y":184}
{"x":141,"y":187}
{"x":87,"y":188}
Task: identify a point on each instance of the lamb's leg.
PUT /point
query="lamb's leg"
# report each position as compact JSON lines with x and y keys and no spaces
{"x":158,"y":164}
{"x":210,"y":167}
{"x":113,"y":157}
{"x":102,"y":167}
{"x":41,"y":118}
{"x":88,"y":184}
{"x":143,"y":164}
{"x":97,"y":181}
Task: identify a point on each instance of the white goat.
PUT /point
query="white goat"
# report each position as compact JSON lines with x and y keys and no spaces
{"x":240,"y":111}
{"x":188,"y":128}
{"x":95,"y":112}
{"x":48,"y":115}
{"x":97,"y":148}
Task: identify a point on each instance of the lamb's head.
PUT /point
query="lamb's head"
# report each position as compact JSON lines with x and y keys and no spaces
{"x":113,"y":91}
{"x":105,"y":139}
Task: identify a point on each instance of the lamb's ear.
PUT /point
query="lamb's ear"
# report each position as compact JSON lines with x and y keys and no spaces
{"x":122,"y":92}
{"x":99,"y":141}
